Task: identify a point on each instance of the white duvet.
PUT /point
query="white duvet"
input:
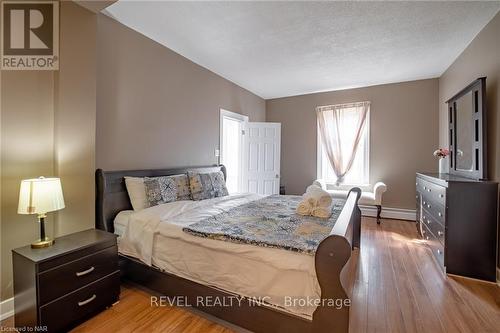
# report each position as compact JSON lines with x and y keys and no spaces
{"x":154,"y":235}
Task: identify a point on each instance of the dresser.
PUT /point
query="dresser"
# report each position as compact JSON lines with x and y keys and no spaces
{"x":58,"y":287}
{"x":457,"y":217}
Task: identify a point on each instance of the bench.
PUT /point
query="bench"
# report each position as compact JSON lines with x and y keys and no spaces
{"x":369,"y":196}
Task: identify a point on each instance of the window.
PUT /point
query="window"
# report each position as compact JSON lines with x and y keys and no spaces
{"x":359,"y":172}
{"x":231,"y":145}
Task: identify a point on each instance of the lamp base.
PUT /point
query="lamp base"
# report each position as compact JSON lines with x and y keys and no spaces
{"x":42,"y":243}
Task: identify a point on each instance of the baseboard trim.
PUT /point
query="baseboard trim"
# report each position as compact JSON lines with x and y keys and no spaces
{"x":6,"y":308}
{"x":390,"y":213}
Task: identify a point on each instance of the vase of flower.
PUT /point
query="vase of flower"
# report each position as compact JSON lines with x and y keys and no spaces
{"x":442,"y":155}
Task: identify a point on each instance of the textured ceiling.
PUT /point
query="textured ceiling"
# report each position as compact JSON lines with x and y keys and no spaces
{"x":277,"y":49}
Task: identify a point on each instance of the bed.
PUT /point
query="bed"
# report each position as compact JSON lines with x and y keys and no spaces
{"x":256,"y":278}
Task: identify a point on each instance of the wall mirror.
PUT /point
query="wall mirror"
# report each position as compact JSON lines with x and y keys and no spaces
{"x":467,"y":129}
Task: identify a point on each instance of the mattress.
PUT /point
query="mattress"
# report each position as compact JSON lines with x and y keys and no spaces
{"x":121,"y":221}
{"x":282,"y":278}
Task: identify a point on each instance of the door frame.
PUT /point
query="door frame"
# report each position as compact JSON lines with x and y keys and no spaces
{"x":223,"y":113}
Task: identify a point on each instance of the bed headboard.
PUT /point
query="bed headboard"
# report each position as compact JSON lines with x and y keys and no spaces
{"x":111,"y":193}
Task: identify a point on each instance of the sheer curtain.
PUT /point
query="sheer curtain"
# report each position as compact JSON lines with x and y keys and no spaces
{"x":341,"y":129}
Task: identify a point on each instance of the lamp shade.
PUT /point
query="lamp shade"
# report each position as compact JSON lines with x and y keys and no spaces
{"x":40,"y":195}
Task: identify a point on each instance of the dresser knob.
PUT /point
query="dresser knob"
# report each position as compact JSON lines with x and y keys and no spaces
{"x":427,"y":237}
{"x":428,"y":221}
{"x":440,"y":233}
{"x":440,"y":214}
{"x":428,"y":206}
{"x":428,"y":189}
{"x":441,"y":196}
{"x":439,"y":252}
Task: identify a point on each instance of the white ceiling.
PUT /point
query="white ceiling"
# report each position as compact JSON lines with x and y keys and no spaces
{"x":277,"y":49}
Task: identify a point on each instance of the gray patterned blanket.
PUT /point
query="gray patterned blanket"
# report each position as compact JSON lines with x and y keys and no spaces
{"x":269,"y":222}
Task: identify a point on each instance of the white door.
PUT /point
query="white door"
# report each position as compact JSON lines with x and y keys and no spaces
{"x":261,"y":158}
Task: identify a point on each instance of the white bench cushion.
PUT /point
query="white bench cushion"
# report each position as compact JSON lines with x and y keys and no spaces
{"x":368,"y":197}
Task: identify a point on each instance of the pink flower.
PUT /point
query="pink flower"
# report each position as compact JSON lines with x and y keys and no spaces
{"x":442,"y":152}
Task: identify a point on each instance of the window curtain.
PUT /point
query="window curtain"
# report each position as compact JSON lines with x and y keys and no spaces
{"x":341,"y":129}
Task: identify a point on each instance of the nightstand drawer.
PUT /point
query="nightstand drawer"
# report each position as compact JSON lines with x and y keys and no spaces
{"x":66,"y":278}
{"x":60,"y":314}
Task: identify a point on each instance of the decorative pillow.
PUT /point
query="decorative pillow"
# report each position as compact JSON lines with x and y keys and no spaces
{"x":136,"y":192}
{"x":160,"y":190}
{"x":207,"y":185}
{"x":183,"y":191}
{"x":157,"y":191}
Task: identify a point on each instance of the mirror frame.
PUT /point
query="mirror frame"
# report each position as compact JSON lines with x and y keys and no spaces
{"x":479,"y":138}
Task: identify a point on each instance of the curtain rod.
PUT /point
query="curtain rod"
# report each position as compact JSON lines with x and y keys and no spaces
{"x":345,"y":105}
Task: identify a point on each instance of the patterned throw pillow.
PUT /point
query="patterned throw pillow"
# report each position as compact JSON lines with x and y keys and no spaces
{"x":183,"y":191}
{"x":160,"y":190}
{"x":207,"y":185}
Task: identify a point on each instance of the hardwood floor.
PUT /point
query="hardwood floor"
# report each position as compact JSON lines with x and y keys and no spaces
{"x":397,"y":287}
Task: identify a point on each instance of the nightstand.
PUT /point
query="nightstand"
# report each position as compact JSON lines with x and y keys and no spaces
{"x":60,"y":286}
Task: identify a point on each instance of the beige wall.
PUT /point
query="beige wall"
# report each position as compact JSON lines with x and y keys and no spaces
{"x":156,"y":108}
{"x":480,"y":58}
{"x":403,"y":135}
{"x":27,"y":142}
{"x":75,"y":118}
{"x":48,"y":128}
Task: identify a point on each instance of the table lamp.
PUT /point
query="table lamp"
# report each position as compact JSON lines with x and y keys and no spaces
{"x":40,"y":196}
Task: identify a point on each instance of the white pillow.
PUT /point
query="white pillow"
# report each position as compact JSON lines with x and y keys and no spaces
{"x":136,"y":192}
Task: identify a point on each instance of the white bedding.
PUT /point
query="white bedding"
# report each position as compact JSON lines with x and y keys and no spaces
{"x":154,"y":235}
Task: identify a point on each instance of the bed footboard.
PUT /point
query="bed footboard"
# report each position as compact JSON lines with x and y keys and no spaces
{"x":332,"y":255}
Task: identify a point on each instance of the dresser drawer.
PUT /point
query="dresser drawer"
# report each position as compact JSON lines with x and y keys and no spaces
{"x":63,"y":279}
{"x":435,"y":210}
{"x":70,"y":309}
{"x":432,"y":192}
{"x":434,"y":245}
{"x":437,"y":229}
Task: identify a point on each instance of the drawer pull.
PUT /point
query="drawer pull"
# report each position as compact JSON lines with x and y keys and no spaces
{"x":428,"y":221}
{"x":85,"y":272}
{"x":440,"y":233}
{"x":428,"y":189}
{"x":440,"y":214}
{"x":441,"y":196}
{"x":439,"y":251}
{"x":427,"y":237}
{"x":428,"y":206}
{"x":87,"y":301}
